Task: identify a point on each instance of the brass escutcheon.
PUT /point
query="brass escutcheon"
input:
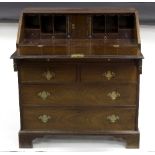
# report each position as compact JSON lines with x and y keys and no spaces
{"x":40,"y":46}
{"x":73,"y":26}
{"x":77,"y":55}
{"x":116,"y":46}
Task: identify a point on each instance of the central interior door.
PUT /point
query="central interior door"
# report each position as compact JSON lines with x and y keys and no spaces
{"x":79,"y":26}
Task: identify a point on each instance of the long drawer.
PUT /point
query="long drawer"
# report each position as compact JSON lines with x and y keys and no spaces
{"x":79,"y":94}
{"x":109,"y":72}
{"x":82,"y":119}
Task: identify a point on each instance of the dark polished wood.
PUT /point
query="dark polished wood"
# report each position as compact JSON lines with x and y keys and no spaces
{"x":78,"y":94}
{"x":79,"y":72}
{"x":130,"y":137}
{"x":79,"y":119}
{"x":58,"y":73}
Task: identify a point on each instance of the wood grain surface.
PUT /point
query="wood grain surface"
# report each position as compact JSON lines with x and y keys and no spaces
{"x":78,"y":119}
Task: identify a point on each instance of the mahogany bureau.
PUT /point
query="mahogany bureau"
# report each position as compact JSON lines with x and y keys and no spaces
{"x":78,"y":72}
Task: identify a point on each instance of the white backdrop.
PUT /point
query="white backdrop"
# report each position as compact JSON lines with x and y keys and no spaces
{"x":9,"y":108}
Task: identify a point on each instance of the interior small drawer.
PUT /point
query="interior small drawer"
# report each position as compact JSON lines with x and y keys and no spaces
{"x":109,"y":72}
{"x":48,"y":73}
{"x":78,"y":120}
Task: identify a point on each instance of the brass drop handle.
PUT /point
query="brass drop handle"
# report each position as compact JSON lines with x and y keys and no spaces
{"x":49,"y":75}
{"x":44,"y":118}
{"x":114,"y":95}
{"x":109,"y":74}
{"x":44,"y":94}
{"x":113,"y":118}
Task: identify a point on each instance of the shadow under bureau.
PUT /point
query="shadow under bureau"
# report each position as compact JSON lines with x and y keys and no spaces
{"x":78,"y":72}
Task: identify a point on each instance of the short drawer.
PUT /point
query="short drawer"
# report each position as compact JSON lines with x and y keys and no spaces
{"x":50,"y":73}
{"x":108,"y":72}
{"x":79,"y":94}
{"x":82,"y":119}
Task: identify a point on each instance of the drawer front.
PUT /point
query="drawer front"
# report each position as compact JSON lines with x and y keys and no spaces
{"x":118,"y":72}
{"x":79,"y":94}
{"x":48,"y":73}
{"x":79,"y":26}
{"x":96,"y":119}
